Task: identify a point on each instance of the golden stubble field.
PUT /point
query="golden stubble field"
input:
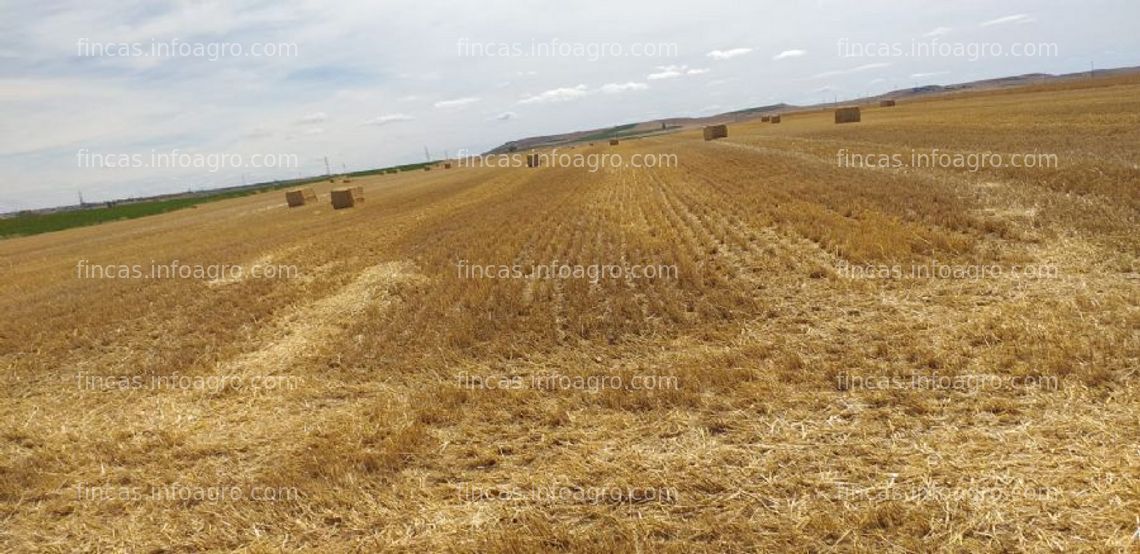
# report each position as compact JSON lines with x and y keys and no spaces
{"x":780,"y":392}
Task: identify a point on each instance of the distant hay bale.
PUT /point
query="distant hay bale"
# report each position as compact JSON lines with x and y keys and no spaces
{"x":613,"y":142}
{"x":358,"y":194}
{"x":447,"y":166}
{"x":426,"y":168}
{"x":713,"y":132}
{"x":766,"y":119}
{"x":300,"y":197}
{"x":343,"y":198}
{"x":775,"y":119}
{"x":887,"y":104}
{"x":532,"y":160}
{"x":847,"y":115}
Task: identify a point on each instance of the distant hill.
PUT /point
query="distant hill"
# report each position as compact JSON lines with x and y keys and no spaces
{"x":642,"y":129}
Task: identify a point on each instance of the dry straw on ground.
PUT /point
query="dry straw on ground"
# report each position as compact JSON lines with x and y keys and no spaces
{"x":780,"y":434}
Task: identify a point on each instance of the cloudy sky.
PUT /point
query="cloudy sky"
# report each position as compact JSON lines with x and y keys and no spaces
{"x":179,"y":95}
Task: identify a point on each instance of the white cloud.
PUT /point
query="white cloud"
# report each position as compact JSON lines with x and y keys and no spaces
{"x":506,"y":116}
{"x":614,"y":88}
{"x":1017,"y":18}
{"x":314,"y":131}
{"x":674,"y":71}
{"x":789,"y":54}
{"x":728,"y":54}
{"x":456,"y":103}
{"x":865,"y":67}
{"x":928,"y":74}
{"x":386,"y":119}
{"x":667,"y":72}
{"x":566,"y":94}
{"x":556,"y":95}
{"x":313,"y":118}
{"x":938,"y":31}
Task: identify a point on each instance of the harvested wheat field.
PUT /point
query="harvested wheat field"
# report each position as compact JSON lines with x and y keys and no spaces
{"x":813,"y":352}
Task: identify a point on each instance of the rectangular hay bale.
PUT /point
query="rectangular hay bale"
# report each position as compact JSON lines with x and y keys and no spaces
{"x":847,"y":115}
{"x":532,"y":160}
{"x":300,"y":197}
{"x":713,"y":132}
{"x":886,"y":103}
{"x":343,"y":198}
{"x":775,"y":119}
